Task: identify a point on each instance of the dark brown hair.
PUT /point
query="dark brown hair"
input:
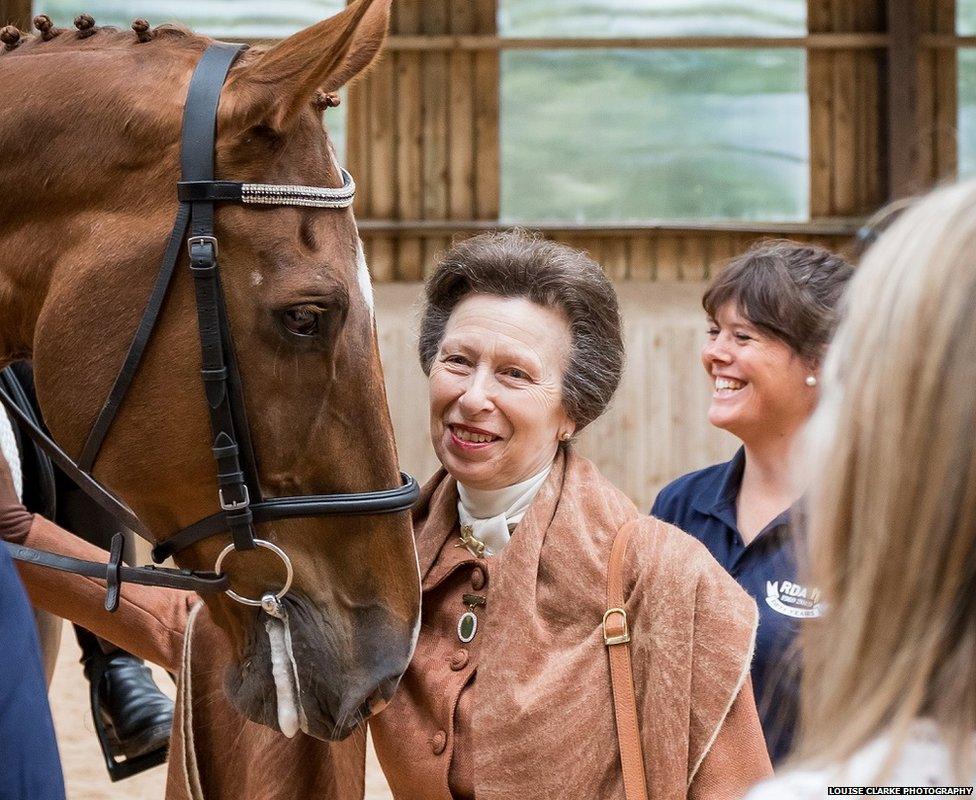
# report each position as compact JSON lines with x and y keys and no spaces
{"x":517,"y":264}
{"x":787,"y":289}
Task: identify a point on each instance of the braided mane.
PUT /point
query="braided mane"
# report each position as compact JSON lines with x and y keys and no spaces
{"x":86,"y":35}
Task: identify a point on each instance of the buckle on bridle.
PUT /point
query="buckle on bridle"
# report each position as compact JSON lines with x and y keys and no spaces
{"x":192,"y":240}
{"x":235,"y":505}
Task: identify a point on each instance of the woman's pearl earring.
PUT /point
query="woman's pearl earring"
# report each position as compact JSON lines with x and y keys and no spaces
{"x":565,"y":437}
{"x":811,"y":381}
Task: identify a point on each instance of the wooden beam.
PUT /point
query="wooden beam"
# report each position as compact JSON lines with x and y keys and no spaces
{"x":903,"y":145}
{"x":946,"y":41}
{"x":16,"y":12}
{"x":816,"y":41}
{"x":829,"y":41}
{"x":840,"y":226}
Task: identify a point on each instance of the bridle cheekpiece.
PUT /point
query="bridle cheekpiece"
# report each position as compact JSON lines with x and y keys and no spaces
{"x":239,"y":495}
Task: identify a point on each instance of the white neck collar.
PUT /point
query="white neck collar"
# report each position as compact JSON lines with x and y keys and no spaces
{"x":491,"y":512}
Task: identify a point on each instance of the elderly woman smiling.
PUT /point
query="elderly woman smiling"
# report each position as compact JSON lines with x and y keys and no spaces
{"x":509,"y":694}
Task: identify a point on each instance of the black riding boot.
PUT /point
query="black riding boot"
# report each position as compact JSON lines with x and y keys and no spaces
{"x":137,"y":716}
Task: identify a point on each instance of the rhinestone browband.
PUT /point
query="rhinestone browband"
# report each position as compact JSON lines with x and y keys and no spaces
{"x":273,"y":194}
{"x":269,"y":194}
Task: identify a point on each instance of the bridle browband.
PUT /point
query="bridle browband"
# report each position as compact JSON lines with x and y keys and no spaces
{"x":241,"y":502}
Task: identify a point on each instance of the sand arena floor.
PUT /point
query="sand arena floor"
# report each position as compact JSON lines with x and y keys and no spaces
{"x":84,"y":772}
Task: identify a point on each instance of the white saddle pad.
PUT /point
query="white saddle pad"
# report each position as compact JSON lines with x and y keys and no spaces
{"x":8,"y":444}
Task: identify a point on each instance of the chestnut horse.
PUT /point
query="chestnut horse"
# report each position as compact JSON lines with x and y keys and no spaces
{"x":90,"y":132}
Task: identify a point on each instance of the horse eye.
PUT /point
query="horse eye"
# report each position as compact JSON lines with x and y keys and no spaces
{"x":302,"y":321}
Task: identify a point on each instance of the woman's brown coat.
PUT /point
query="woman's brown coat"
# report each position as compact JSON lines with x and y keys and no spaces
{"x":543,"y":723}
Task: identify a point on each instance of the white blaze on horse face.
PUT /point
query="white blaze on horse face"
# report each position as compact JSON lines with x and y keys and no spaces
{"x":362,"y":274}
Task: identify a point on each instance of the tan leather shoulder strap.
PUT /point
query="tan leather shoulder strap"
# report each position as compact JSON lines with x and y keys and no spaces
{"x":616,"y":635}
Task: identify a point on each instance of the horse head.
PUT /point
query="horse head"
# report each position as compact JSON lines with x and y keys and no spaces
{"x":91,"y":134}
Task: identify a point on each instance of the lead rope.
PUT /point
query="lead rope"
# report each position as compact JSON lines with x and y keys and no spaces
{"x":291,"y":715}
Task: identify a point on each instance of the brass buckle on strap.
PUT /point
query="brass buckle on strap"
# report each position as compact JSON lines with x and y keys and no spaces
{"x":620,"y":638}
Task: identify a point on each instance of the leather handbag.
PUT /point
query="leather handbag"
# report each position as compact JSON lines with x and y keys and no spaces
{"x":616,"y":636}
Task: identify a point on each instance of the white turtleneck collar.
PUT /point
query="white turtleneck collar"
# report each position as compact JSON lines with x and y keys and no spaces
{"x":492,"y":513}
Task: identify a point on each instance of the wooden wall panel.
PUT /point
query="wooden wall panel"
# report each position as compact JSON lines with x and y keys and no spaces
{"x":656,"y":428}
{"x":487,"y":119}
{"x":652,"y":254}
{"x":845,"y":111}
{"x":426,"y":134}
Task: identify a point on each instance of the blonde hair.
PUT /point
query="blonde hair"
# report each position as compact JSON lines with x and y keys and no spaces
{"x":892,"y":453}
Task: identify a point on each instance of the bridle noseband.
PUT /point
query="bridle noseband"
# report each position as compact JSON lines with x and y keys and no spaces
{"x":239,"y":496}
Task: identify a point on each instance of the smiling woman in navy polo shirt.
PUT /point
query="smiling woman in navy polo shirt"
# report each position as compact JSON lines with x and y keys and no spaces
{"x":771,"y":313}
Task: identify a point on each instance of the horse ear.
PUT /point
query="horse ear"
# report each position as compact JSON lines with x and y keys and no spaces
{"x":277,"y":86}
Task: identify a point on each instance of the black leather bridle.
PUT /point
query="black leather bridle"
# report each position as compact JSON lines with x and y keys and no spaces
{"x":241,"y":502}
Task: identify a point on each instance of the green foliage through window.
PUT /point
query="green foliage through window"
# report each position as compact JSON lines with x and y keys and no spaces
{"x":630,"y":135}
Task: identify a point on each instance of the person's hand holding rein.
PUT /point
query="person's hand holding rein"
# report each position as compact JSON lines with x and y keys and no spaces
{"x":15,"y":520}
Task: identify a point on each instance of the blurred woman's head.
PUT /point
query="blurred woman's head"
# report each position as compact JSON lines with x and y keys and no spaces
{"x":521,"y":341}
{"x":771,"y":313}
{"x":892,"y":454}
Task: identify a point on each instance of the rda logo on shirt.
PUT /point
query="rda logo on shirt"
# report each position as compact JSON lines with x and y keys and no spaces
{"x":793,"y":600}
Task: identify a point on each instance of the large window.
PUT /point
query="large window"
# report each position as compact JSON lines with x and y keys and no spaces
{"x":594,"y":136}
{"x":652,"y":18}
{"x":601,"y":135}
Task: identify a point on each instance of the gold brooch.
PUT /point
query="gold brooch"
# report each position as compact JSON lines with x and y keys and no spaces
{"x":472,"y":542}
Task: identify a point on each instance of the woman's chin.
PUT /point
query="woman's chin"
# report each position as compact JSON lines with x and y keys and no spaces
{"x":723,"y":417}
{"x":468,"y":468}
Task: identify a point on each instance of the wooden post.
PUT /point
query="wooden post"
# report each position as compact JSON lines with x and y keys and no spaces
{"x":845,"y":111}
{"x":16,"y":12}
{"x":937,"y":88}
{"x":903,"y":145}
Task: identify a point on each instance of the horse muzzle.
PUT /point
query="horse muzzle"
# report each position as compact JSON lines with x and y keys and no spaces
{"x":339,"y":669}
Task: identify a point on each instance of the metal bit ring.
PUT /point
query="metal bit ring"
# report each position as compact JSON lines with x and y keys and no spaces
{"x":289,"y":572}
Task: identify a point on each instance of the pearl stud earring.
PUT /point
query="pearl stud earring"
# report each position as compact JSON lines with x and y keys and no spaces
{"x":811,"y":380}
{"x":565,"y":437}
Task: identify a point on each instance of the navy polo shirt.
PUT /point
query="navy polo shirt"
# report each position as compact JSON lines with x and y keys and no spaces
{"x":703,"y":504}
{"x":29,"y":762}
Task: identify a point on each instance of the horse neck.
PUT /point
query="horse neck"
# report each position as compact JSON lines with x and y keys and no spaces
{"x":80,"y":165}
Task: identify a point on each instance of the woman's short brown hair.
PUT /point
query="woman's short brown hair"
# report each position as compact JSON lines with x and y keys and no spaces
{"x":788,"y":289}
{"x":517,"y":264}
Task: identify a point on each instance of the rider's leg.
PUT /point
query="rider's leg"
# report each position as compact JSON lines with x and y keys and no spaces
{"x":131,"y":703}
{"x":139,"y":714}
